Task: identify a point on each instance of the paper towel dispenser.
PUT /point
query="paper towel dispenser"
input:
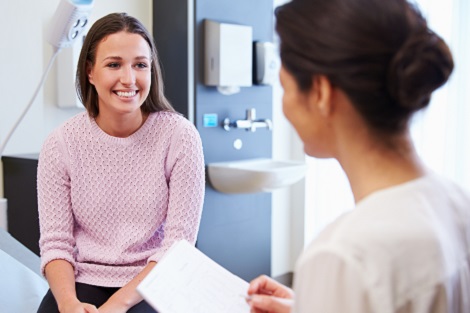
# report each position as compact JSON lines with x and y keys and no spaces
{"x":228,"y":55}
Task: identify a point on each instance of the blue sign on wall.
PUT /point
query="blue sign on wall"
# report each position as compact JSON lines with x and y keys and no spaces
{"x":210,"y":120}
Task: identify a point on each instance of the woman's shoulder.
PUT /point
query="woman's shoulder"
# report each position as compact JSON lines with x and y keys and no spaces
{"x":410,"y":235}
{"x":171,"y":122}
{"x":170,"y":118}
{"x":411,"y":220}
{"x":446,"y":187}
{"x":74,"y":124}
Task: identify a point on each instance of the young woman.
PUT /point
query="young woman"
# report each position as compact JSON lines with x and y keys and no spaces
{"x":354,"y":73}
{"x":118,"y":184}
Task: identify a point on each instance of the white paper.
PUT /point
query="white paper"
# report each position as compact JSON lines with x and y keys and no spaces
{"x":185,"y":280}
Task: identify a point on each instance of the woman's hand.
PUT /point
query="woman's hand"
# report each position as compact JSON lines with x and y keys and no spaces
{"x":269,"y":296}
{"x":78,"y":307}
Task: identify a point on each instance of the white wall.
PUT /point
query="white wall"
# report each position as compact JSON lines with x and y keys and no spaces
{"x":24,"y":55}
{"x":287,"y":203}
{"x":288,"y":208}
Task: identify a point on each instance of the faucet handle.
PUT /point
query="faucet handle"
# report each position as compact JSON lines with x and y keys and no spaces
{"x":251,"y":114}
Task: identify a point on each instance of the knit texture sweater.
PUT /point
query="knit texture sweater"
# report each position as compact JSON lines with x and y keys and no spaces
{"x":110,"y":205}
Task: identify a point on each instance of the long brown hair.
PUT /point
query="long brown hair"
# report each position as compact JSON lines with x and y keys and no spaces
{"x":381,"y":53}
{"x":105,"y":26}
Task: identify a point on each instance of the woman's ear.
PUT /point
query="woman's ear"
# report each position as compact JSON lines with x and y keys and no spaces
{"x":321,"y":95}
{"x":89,"y":73}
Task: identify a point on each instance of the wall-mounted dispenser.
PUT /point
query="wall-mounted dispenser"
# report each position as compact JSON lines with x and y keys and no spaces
{"x":267,"y":63}
{"x":228,"y":56}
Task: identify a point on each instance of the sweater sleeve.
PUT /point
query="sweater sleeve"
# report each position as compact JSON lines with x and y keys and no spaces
{"x":54,"y":203}
{"x":185,"y":168}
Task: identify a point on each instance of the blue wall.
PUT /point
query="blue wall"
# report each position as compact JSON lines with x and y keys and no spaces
{"x":235,"y":229}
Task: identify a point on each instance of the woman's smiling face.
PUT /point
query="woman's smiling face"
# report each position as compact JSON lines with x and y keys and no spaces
{"x":121,"y":73}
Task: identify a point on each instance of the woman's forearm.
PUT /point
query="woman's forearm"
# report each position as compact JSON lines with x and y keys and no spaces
{"x":61,"y":278}
{"x":127,"y":296}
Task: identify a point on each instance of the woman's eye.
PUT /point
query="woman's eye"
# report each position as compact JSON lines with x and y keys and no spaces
{"x":142,"y":65}
{"x":113,"y":65}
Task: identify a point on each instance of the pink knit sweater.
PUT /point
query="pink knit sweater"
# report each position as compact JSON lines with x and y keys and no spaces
{"x":110,"y":205}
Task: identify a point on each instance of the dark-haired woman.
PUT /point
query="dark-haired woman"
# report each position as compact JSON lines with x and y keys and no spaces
{"x":354,"y":73}
{"x":118,"y":184}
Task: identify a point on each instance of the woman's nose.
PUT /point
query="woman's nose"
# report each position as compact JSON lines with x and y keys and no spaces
{"x":127,"y":76}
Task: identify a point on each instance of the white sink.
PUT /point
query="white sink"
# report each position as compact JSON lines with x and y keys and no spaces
{"x":254,"y":175}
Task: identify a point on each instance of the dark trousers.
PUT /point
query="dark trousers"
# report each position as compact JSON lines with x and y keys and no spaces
{"x":91,"y":294}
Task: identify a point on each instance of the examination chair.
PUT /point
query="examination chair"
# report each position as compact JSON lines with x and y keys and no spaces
{"x":22,"y":286}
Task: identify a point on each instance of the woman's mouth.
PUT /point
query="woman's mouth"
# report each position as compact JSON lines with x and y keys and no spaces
{"x":126,"y":94}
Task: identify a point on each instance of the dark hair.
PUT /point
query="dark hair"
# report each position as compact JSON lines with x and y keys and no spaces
{"x":105,"y":26}
{"x":380,"y":53}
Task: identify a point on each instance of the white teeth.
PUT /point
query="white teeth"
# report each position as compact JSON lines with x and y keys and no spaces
{"x":126,"y":93}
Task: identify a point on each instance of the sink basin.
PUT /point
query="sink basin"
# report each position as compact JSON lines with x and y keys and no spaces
{"x":254,"y":175}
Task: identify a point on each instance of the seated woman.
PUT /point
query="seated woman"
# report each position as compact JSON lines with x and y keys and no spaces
{"x":118,"y":184}
{"x":354,"y":73}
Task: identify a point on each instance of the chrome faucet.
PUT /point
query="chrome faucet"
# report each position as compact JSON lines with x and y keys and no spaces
{"x":250,"y":123}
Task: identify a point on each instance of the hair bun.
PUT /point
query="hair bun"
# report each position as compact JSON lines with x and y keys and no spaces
{"x":420,"y":66}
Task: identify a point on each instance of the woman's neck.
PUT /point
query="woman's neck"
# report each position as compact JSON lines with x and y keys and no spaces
{"x":121,"y":126}
{"x":372,"y":166}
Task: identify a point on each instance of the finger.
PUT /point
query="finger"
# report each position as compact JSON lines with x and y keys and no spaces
{"x":90,"y":308}
{"x":271,"y":304}
{"x":264,"y":285}
{"x":255,"y":310}
{"x":256,"y":284}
